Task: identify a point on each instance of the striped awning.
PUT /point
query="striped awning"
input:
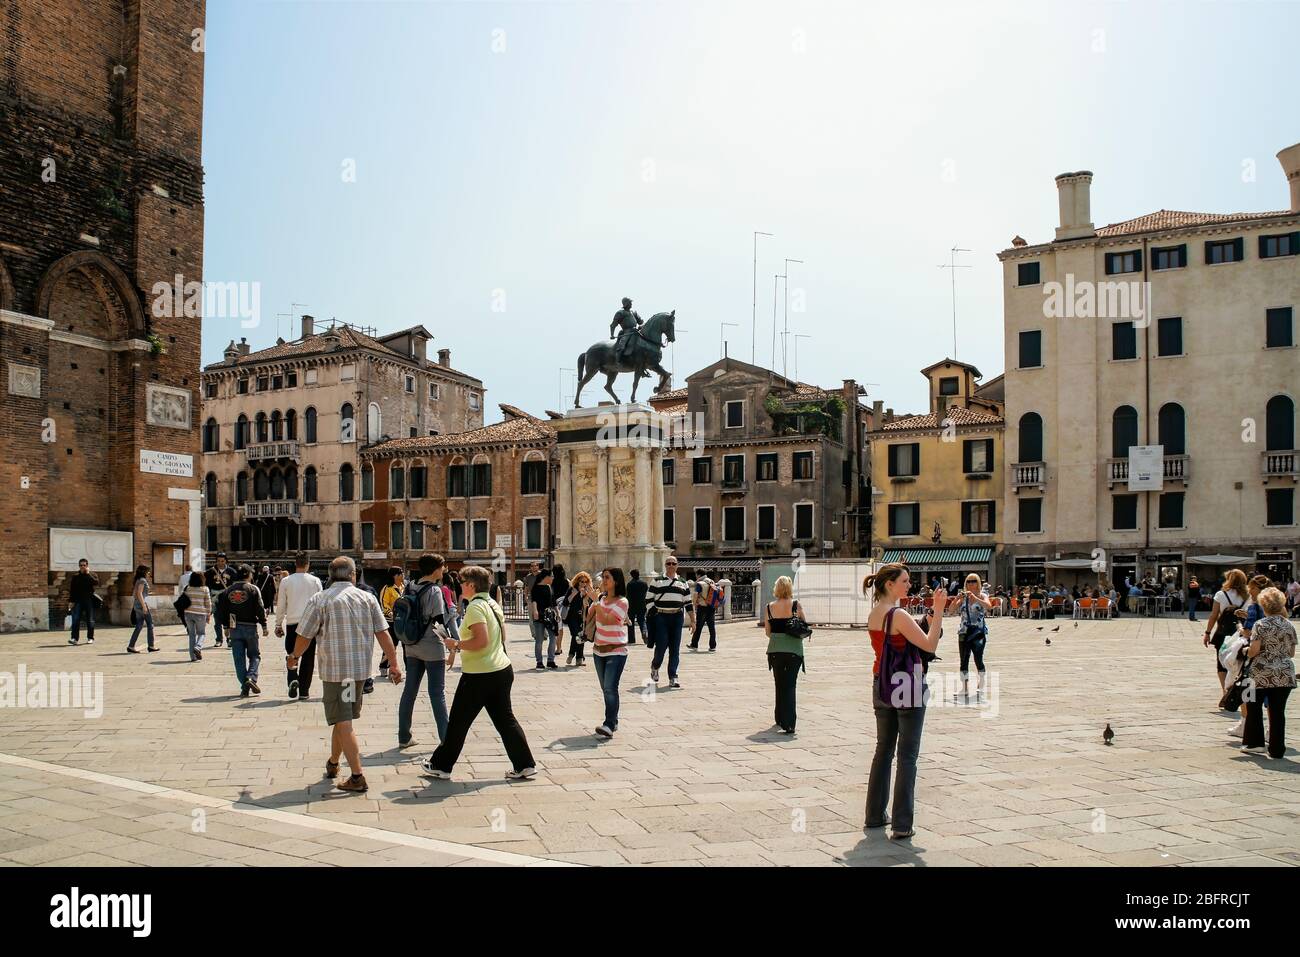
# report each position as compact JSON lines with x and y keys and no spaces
{"x":939,"y":556}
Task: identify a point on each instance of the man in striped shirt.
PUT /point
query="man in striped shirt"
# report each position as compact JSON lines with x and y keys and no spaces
{"x":669,"y":599}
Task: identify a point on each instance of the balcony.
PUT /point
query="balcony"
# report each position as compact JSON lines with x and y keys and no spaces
{"x":734,"y":486}
{"x":1280,"y":465}
{"x":1176,"y":468}
{"x":273,"y":451}
{"x":1028,"y":475}
{"x":273,"y":509}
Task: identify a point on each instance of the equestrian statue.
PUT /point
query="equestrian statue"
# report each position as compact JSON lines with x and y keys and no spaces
{"x":637,"y":348}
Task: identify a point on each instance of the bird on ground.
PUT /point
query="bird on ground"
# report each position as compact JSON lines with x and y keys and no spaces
{"x":1076,"y":624}
{"x":1057,"y":628}
{"x":1040,"y":628}
{"x":1048,"y":640}
{"x":1108,"y":735}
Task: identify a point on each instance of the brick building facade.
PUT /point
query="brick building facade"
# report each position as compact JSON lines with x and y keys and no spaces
{"x":101,"y":198}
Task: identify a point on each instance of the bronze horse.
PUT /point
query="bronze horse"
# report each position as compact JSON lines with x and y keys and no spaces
{"x":645,"y":357}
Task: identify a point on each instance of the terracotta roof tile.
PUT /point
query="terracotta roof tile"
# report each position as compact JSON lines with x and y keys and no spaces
{"x":1163,"y":219}
{"x":959,"y":416}
{"x":518,"y":426}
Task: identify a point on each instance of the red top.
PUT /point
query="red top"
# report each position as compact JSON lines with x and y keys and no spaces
{"x":878,"y":644}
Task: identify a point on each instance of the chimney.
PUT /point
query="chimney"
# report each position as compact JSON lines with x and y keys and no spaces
{"x":1074,"y":192}
{"x":877,"y":414}
{"x":444,"y":358}
{"x":1290,"y":160}
{"x":243,"y":346}
{"x":308,"y":326}
{"x":231,"y":351}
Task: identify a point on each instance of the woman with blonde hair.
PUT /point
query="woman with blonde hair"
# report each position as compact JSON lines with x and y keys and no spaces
{"x":1223,"y":619}
{"x":973,"y":634}
{"x":900,"y":710}
{"x":1272,"y":669}
{"x":785,"y":649}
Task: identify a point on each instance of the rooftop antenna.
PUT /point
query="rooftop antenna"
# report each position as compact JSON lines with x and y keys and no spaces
{"x":722,"y":331}
{"x":952,"y":264}
{"x":753,"y":349}
{"x":785,"y":369}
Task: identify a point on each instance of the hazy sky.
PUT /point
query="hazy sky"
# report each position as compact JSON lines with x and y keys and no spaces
{"x":552,"y":157}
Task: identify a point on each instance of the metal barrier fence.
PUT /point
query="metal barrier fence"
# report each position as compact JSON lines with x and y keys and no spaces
{"x":743,"y":604}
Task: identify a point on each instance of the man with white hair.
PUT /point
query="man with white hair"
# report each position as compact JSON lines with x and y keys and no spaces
{"x":345,"y":621}
{"x":670,"y":598}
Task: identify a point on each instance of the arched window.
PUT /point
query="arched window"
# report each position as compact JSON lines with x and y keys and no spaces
{"x":347,"y":423}
{"x":1031,"y":437}
{"x":211,"y":436}
{"x":396,"y":482}
{"x":346,"y":490}
{"x":291,"y":425}
{"x":210,"y":490}
{"x":241,"y":431}
{"x":1123,"y":431}
{"x":241,"y":488}
{"x":1173,"y":429}
{"x":291,"y":483}
{"x":1279,"y":429}
{"x":374,"y":423}
{"x":261,"y":485}
{"x":367,"y":483}
{"x":309,"y":484}
{"x":309,"y":424}
{"x":277,"y":484}
{"x":277,"y":426}
{"x":261,"y":431}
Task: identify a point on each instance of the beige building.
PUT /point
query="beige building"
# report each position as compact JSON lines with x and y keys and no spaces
{"x":283,"y":429}
{"x":1172,"y":329}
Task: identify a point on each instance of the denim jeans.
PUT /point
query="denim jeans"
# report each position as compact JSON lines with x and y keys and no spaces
{"x":142,"y":620}
{"x":436,"y":672}
{"x":785,"y":675}
{"x":609,"y":669}
{"x":246,"y":651}
{"x":967,"y":647}
{"x":196,"y":626}
{"x":219,"y":628}
{"x":704,"y":615}
{"x":668,"y":638}
{"x":899,"y":728}
{"x":637,"y":620}
{"x":83,"y":610}
{"x":541,"y":634}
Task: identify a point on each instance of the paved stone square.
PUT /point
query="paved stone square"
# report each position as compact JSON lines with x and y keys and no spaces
{"x":179,"y":770}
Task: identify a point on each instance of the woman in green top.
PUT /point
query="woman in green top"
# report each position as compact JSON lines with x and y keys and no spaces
{"x":485,"y":681}
{"x":784,"y":650}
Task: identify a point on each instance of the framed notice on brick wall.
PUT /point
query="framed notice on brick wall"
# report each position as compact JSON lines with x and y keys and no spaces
{"x":167,"y":463}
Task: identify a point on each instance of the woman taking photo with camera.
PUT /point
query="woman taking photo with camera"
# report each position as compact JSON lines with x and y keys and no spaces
{"x":786,"y":631}
{"x":609,"y":607}
{"x":899,"y":707}
{"x":972,"y":634}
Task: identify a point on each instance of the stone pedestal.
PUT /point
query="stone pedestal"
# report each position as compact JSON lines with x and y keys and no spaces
{"x":610,"y":495}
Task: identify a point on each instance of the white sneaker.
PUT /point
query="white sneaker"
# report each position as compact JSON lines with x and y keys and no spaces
{"x":523,"y":775}
{"x":1249,"y":750}
{"x":1237,"y":729}
{"x":604,"y":732}
{"x":429,"y":771}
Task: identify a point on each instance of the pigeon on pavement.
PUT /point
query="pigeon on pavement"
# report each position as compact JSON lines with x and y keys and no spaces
{"x":1108,"y":735}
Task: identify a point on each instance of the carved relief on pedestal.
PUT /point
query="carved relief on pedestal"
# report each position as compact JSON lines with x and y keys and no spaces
{"x":624,"y":495}
{"x":167,"y":407}
{"x":584,"y":505}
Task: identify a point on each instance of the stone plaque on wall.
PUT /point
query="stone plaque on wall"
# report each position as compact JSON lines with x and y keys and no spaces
{"x":24,"y":380}
{"x":167,"y":406}
{"x":107,"y":551}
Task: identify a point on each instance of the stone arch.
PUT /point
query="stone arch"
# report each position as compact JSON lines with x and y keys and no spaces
{"x":71,"y":282}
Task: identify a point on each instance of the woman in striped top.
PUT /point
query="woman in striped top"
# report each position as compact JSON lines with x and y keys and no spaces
{"x":610,"y":653}
{"x":197,"y":613}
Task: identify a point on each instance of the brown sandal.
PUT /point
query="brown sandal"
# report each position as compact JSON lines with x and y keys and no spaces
{"x":331,"y":768}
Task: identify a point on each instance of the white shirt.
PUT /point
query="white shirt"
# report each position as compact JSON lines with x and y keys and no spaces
{"x":291,"y":600}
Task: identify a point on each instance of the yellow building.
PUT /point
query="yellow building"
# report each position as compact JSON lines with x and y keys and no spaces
{"x":937,"y":477}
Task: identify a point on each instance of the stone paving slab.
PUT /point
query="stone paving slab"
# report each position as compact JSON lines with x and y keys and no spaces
{"x":695,"y":776}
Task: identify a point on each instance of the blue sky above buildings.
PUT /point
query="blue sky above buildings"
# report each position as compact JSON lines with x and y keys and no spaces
{"x":519,"y":167}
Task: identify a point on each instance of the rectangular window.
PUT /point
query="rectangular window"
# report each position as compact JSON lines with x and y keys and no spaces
{"x":243,"y":387}
{"x":1031,"y":349}
{"x":533,"y":478}
{"x":803,"y":466}
{"x":767,"y":523}
{"x":803,"y":522}
{"x":397,"y":483}
{"x":669,"y":473}
{"x":1124,"y":513}
{"x":733,"y":523}
{"x":1224,"y":251}
{"x":433,"y":391}
{"x":311,"y":538}
{"x":458,"y":535}
{"x":1171,"y":510}
{"x":977,"y":518}
{"x":1027,"y":274}
{"x":766,"y":465}
{"x":212,"y":538}
{"x":1279,"y":328}
{"x":367,"y":535}
{"x":417,"y":535}
{"x":736,"y":414}
{"x":1119,"y":263}
{"x":481,"y":480}
{"x":702,"y":471}
{"x":977,"y":456}
{"x":1280,"y":505}
{"x":347,"y":372}
{"x":533,"y":534}
{"x":1169,"y":336}
{"x":1169,"y":257}
{"x":397,"y":535}
{"x":291,"y":380}
{"x":905,"y":519}
{"x":670,"y":525}
{"x":367,"y":485}
{"x":905,"y":460}
{"x":473,"y":401}
{"x":457,"y":483}
{"x":410,"y":384}
{"x":277,"y":382}
{"x":733,"y":470}
{"x":1123,"y":340}
{"x":948,"y":385}
{"x":703,"y":524}
{"x":345,"y":536}
{"x":1031,"y":515}
{"x":480,"y":531}
{"x":263,"y":383}
{"x":210,"y":390}
{"x":419,"y":481}
{"x":1287,"y":244}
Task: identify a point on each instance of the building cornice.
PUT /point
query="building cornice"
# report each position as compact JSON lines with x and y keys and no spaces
{"x":1154,"y":235}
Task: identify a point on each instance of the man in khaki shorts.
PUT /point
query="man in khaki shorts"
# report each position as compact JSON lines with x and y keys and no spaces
{"x":345,"y":621}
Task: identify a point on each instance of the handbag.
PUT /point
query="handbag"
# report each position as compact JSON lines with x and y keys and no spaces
{"x":1235,"y":693}
{"x":796,"y":627}
{"x":181,"y":603}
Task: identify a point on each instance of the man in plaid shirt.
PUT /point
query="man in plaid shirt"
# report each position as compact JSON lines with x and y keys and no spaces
{"x":345,"y":621}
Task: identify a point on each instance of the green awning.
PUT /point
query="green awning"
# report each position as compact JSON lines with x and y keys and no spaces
{"x":939,"y":556}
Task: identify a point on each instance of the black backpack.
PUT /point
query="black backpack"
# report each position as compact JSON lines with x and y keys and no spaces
{"x":409,"y":622}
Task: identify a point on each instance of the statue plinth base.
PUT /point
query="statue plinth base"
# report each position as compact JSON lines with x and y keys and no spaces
{"x":610,"y":496}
